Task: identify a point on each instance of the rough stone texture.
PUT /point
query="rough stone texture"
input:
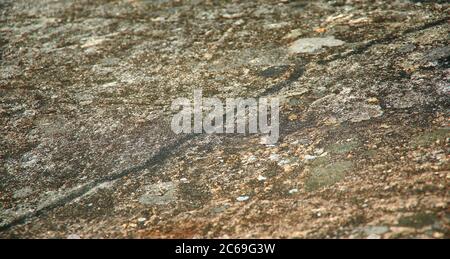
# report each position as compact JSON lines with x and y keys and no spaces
{"x":87,"y":151}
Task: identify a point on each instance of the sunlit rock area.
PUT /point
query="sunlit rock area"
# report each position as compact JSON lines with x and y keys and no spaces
{"x":87,"y":149}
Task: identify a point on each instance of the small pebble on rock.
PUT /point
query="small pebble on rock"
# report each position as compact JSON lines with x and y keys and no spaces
{"x":293,"y":191}
{"x":261,"y":178}
{"x":243,"y":198}
{"x":309,"y":157}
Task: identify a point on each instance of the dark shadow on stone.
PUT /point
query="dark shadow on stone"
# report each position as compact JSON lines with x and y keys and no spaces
{"x":444,"y":62}
{"x":273,"y":72}
{"x":3,"y":43}
{"x":294,"y":76}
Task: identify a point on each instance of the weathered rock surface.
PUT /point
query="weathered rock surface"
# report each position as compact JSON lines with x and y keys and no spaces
{"x":87,"y":150}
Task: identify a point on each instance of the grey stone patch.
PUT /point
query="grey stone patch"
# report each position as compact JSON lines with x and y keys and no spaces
{"x":287,"y":161}
{"x":8,"y":72}
{"x":293,"y":34}
{"x":437,"y":54}
{"x":309,"y":158}
{"x":275,"y":157}
{"x":406,"y":100}
{"x":134,"y":77}
{"x":23,"y":193}
{"x":406,"y":48}
{"x":374,"y":230}
{"x":52,"y":125}
{"x":92,"y":42}
{"x":84,"y":98}
{"x":8,"y":216}
{"x":345,"y":107}
{"x":109,"y":88}
{"x":269,"y":56}
{"x":47,"y":200}
{"x":363,"y":112}
{"x":39,"y":7}
{"x":159,"y":194}
{"x":51,"y":197}
{"x":293,"y":98}
{"x":313,"y":45}
{"x":276,"y":26}
{"x":29,"y":160}
{"x":102,"y":186}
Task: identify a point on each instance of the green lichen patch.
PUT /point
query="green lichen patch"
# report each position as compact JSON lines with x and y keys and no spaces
{"x":343,"y":148}
{"x":418,"y":220}
{"x":323,"y":176}
{"x":428,"y":138}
